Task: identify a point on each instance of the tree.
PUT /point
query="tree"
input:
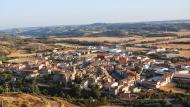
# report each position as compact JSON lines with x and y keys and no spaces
{"x":45,"y":91}
{"x":138,"y":69}
{"x":1,"y":89}
{"x":77,"y":90}
{"x":103,"y":100}
{"x":68,"y":97}
{"x":35,"y":88}
{"x":95,"y":92}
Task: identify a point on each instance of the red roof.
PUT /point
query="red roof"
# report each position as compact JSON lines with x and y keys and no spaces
{"x":167,"y":75}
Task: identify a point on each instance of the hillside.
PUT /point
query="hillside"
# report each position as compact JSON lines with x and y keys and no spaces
{"x":102,"y":29}
{"x":28,"y":100}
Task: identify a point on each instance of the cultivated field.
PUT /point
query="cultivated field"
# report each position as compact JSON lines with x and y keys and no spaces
{"x":162,"y":42}
{"x":99,"y":39}
{"x":136,"y":49}
{"x":174,"y":46}
{"x":183,"y":33}
{"x":185,"y":53}
{"x":20,"y":54}
{"x":171,"y":87}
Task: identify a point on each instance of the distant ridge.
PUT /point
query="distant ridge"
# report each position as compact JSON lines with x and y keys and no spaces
{"x":100,"y":29}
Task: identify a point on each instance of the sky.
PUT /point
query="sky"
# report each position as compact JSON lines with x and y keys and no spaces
{"x":33,"y":13}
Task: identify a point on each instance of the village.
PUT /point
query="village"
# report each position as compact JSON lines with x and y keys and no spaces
{"x":113,"y":71}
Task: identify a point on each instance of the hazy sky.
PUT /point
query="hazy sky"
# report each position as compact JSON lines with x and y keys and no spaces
{"x":26,"y":13}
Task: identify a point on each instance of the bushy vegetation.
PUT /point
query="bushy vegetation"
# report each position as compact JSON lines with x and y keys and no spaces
{"x":77,"y":95}
{"x":3,"y":58}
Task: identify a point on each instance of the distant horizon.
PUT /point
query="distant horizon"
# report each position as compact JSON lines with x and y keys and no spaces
{"x":29,"y":13}
{"x":131,"y":22}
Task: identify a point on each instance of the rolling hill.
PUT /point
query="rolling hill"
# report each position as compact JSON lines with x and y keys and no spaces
{"x":101,"y":29}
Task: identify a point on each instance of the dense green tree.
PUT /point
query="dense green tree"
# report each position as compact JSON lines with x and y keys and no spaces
{"x":103,"y":100}
{"x":138,"y":69}
{"x":2,"y":89}
{"x":95,"y":92}
{"x":35,"y":88}
{"x":77,"y":90}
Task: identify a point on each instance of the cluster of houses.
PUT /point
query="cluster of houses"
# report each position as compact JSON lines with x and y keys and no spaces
{"x":113,"y":71}
{"x":163,"y":53}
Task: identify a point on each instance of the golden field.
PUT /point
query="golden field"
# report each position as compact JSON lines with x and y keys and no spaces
{"x":99,"y":39}
{"x":171,"y":87}
{"x":28,"y":100}
{"x":164,"y":43}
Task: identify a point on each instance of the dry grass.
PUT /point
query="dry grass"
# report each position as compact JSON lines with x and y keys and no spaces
{"x":19,"y":54}
{"x":20,"y":60}
{"x":21,"y":57}
{"x":183,"y":33}
{"x":139,"y":39}
{"x":174,"y":46}
{"x":185,"y":53}
{"x":100,"y":39}
{"x":89,"y":55}
{"x":16,"y":100}
{"x":67,"y":45}
{"x":171,"y":87}
{"x":180,"y":40}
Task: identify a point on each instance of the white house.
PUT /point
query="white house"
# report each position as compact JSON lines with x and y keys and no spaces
{"x":125,"y":89}
{"x":183,"y":71}
{"x":114,"y":84}
{"x":185,"y":67}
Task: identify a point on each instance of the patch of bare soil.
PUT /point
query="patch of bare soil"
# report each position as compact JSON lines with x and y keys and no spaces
{"x":28,"y":100}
